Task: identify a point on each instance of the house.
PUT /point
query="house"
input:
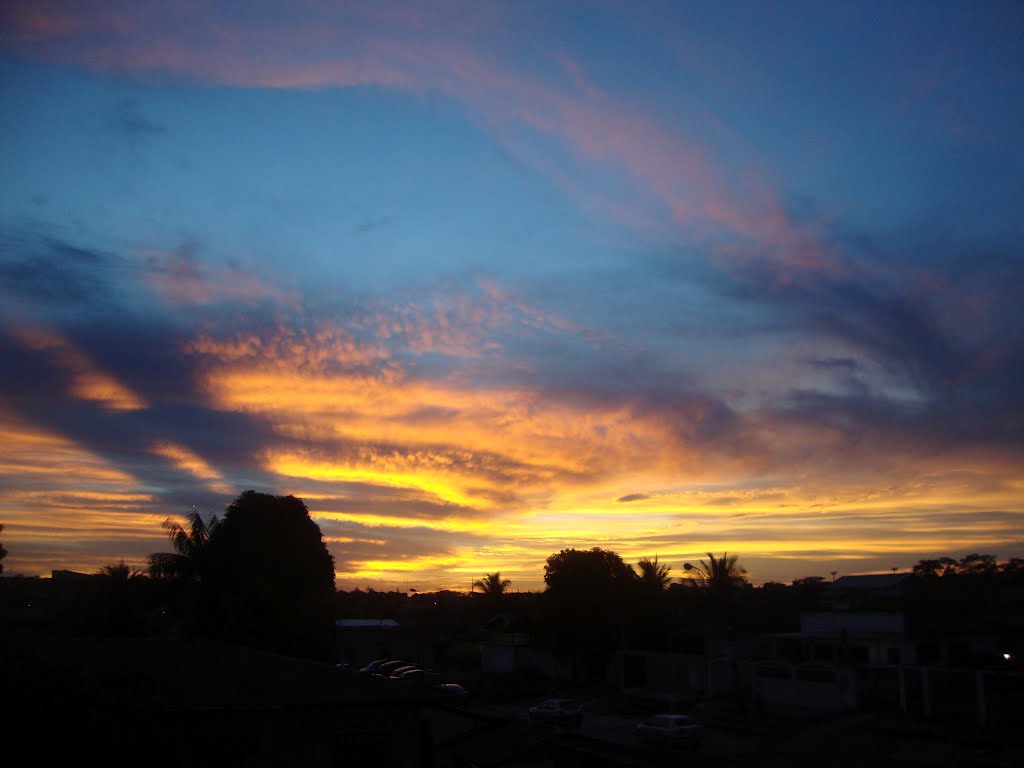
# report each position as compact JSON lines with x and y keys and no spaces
{"x":702,"y":664}
{"x":817,"y":667}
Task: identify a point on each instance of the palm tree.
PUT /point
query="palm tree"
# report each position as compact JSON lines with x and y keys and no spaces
{"x":718,"y":573}
{"x":189,"y":548}
{"x":121,"y":572}
{"x":654,"y":575}
{"x":492,"y":584}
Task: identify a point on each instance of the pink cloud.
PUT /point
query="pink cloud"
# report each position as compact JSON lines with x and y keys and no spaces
{"x":184,"y":280}
{"x":454,"y":49}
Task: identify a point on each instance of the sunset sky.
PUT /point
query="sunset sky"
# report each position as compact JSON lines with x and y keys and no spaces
{"x":480,"y":281}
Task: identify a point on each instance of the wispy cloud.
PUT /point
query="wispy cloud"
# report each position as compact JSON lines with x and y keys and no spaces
{"x":189,"y":461}
{"x":185,"y":280}
{"x":452,"y":51}
{"x":87,"y":381}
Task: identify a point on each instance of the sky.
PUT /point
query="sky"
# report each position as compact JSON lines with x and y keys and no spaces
{"x":480,"y":281}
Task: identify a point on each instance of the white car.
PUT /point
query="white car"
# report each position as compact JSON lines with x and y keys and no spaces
{"x":670,"y":729}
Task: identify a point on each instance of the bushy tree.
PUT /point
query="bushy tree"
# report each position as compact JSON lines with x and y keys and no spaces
{"x":588,"y":604}
{"x":587,"y":574}
{"x":3,"y":552}
{"x":269,"y":577}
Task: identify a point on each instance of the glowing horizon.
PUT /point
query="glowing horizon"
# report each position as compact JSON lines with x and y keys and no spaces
{"x":479,"y":282}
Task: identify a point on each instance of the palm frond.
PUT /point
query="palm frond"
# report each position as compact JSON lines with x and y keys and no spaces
{"x":653,"y":574}
{"x":492,"y":584}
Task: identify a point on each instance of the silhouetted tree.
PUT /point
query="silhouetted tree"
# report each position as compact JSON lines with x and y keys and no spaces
{"x":654,"y":576}
{"x":588,"y":604}
{"x":121,"y":572}
{"x":584,"y":573}
{"x":977,"y":565}
{"x":931,"y":569}
{"x":718,"y":573}
{"x":116,"y":602}
{"x":492,"y":584}
{"x":188,"y":559}
{"x":973,"y":564}
{"x":3,"y":552}
{"x":269,"y":577}
{"x":1013,"y":566}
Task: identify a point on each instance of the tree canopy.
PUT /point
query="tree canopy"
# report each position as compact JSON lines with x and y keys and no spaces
{"x":3,"y":552}
{"x":973,"y":564}
{"x":270,"y":578}
{"x":492,"y":584}
{"x":584,"y":573}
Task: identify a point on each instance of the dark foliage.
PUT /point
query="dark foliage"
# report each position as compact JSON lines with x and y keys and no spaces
{"x":492,"y":585}
{"x":654,"y":576}
{"x":587,"y":575}
{"x":589,"y":604}
{"x":965,"y":593}
{"x":189,"y":557}
{"x":270,"y":578}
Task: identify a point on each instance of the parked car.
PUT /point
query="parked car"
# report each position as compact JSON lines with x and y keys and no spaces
{"x":417,"y":676}
{"x":674,"y":730}
{"x":453,"y":691}
{"x":373,"y":667}
{"x":397,"y":672}
{"x":568,"y":712}
{"x":388,"y":667}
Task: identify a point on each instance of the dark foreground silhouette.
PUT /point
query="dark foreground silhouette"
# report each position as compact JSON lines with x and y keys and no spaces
{"x":225,"y":655}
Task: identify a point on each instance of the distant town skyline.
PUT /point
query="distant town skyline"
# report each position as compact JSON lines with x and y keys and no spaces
{"x":481,"y":281}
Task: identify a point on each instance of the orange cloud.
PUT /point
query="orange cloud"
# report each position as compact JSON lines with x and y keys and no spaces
{"x":60,"y":499}
{"x":189,"y":461}
{"x":524,"y":473}
{"x":87,"y":381}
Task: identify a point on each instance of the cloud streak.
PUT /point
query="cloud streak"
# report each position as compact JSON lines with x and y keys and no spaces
{"x":604,"y":310}
{"x":402,"y":48}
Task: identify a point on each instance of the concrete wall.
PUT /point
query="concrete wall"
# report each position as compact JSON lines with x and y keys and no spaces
{"x":816,"y":687}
